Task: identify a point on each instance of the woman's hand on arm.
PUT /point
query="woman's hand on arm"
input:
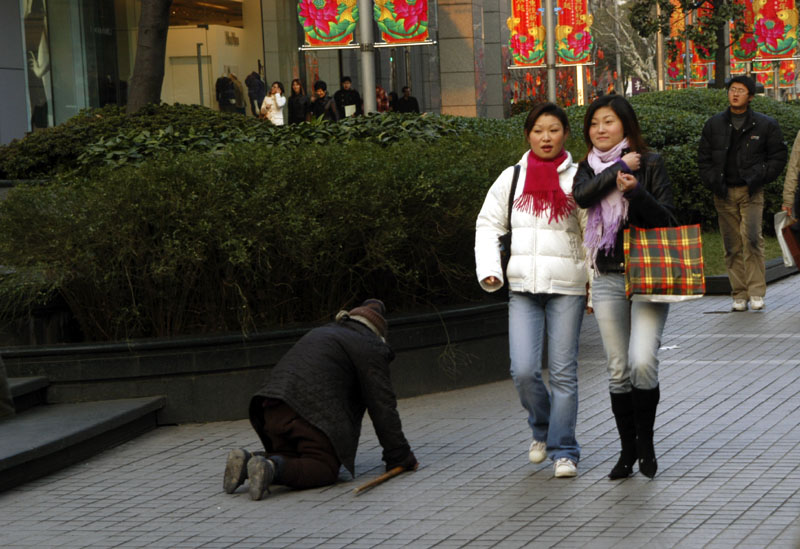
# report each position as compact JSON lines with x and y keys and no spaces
{"x":626,"y":181}
{"x":633,"y":160}
{"x":492,"y":281}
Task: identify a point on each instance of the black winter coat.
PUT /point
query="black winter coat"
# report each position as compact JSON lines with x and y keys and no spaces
{"x":330,"y":377}
{"x":649,"y":203}
{"x":761,"y":156}
{"x":299,"y":107}
{"x":344,"y":98}
{"x":325,"y":107}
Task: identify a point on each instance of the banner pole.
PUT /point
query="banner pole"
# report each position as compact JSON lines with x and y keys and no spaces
{"x":550,"y":52}
{"x":367,"y":51}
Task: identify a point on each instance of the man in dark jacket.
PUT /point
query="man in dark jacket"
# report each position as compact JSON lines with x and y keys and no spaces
{"x":348,"y":100}
{"x":309,"y":413}
{"x":323,"y":104}
{"x":407,"y":103}
{"x":740,"y":152}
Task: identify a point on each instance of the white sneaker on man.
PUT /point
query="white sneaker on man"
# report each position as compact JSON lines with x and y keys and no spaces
{"x":565,"y":468}
{"x":756,"y":303}
{"x":537,"y":453}
{"x":739,"y":305}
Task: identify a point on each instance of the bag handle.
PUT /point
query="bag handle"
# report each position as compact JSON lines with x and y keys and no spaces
{"x":512,"y":193}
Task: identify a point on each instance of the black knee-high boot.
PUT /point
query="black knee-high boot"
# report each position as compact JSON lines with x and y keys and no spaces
{"x":622,"y":406}
{"x":645,"y":402}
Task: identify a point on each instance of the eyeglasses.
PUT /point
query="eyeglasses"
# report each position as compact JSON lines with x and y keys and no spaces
{"x":737,"y":91}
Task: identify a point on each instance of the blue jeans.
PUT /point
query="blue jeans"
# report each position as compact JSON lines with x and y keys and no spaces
{"x":631,"y":333}
{"x":553,"y":413}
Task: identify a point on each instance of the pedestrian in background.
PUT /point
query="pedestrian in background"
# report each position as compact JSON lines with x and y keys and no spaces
{"x":621,"y":183}
{"x":272,"y":107}
{"x":348,"y":100}
{"x":740,"y":152}
{"x":381,"y":99}
{"x":790,"y":194}
{"x":299,"y":105}
{"x":546,"y":278}
{"x":322,"y":104}
{"x":407,"y":103}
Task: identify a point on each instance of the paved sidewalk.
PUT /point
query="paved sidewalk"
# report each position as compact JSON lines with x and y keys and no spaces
{"x":727,"y":437}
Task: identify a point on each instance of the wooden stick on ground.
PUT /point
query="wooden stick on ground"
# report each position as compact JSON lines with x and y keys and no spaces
{"x":381,"y":479}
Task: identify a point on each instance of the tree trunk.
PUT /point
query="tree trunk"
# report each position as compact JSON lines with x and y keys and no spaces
{"x":148,"y":70}
{"x":722,"y":59}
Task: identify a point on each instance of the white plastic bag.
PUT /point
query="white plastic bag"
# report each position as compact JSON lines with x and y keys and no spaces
{"x":782,"y":220}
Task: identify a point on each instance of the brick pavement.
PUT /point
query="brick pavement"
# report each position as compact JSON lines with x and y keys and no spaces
{"x":727,"y":437}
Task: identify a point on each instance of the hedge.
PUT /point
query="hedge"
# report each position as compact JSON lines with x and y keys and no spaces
{"x":109,"y":136}
{"x":181,"y":220}
{"x":251,"y":237}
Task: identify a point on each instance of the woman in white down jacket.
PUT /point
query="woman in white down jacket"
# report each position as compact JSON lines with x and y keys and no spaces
{"x":547,"y":279}
{"x":272,"y":106}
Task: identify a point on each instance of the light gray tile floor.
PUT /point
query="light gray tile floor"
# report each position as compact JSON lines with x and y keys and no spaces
{"x":727,"y":437}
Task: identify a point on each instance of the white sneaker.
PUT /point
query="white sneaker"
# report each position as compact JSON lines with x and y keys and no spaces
{"x":537,"y":453}
{"x":741,"y":305}
{"x":756,"y":303}
{"x":565,"y":467}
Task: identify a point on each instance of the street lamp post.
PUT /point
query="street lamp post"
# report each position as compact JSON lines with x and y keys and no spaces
{"x":367,"y":48}
{"x":550,"y":51}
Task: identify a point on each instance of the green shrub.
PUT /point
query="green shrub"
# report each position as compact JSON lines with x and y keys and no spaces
{"x":234,"y":224}
{"x":252,"y":236}
{"x":108,"y":136}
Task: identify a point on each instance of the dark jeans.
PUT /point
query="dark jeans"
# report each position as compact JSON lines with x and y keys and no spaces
{"x":307,"y":457}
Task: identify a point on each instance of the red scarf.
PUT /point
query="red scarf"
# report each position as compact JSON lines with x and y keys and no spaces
{"x":542,"y":190}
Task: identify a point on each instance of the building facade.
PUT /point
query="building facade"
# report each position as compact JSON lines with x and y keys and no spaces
{"x":60,"y":56}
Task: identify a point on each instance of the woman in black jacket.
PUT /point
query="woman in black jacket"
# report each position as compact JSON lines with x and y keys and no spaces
{"x":620,"y":182}
{"x":299,"y":108}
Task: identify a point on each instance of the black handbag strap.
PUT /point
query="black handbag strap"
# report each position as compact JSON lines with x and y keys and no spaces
{"x":512,"y":192}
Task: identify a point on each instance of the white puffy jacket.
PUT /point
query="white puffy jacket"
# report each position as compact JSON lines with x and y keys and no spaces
{"x":546,"y":258}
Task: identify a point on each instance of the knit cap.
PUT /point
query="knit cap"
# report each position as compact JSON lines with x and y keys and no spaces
{"x":370,"y":313}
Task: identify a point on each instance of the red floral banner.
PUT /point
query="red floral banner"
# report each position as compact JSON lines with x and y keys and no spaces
{"x":574,"y":40}
{"x":526,"y":43}
{"x":775,"y":28}
{"x":677,"y":49}
{"x":702,"y":15}
{"x":786,"y":72}
{"x":701,"y":71}
{"x":328,"y":22}
{"x":402,"y":21}
{"x":745,"y":48}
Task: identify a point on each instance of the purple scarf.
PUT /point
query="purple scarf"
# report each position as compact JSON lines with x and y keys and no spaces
{"x":607,"y":216}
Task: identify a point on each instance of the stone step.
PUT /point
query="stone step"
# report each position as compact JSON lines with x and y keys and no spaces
{"x":28,"y":392}
{"x":47,"y":438}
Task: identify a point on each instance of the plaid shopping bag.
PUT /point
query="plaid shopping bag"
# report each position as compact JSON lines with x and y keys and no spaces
{"x":665,"y":261}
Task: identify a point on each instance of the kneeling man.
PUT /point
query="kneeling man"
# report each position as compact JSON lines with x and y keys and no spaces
{"x":308,"y":415}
